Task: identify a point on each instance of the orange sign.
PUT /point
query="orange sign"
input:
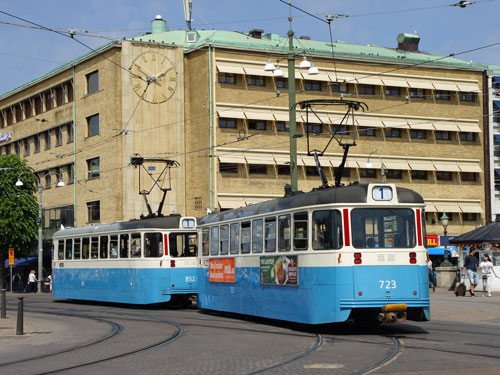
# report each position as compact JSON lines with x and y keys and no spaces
{"x":222,"y":270}
{"x":432,"y":240}
{"x":11,"y":256}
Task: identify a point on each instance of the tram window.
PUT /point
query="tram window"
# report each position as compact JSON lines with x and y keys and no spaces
{"x":270,"y":234}
{"x":383,"y":228}
{"x":235,"y":238}
{"x":123,"y":245}
{"x":60,"y":250}
{"x":257,"y":236}
{"x":182,"y":244}
{"x":113,"y":247}
{"x":300,"y":231}
{"x":104,"y":247}
{"x":326,"y":230}
{"x":94,"y":248}
{"x":69,"y":249}
{"x":284,"y":233}
{"x":85,"y":248}
{"x":76,"y":250}
{"x":135,"y":245}
{"x":214,"y":241}
{"x":245,"y":237}
{"x":224,"y":239}
{"x":153,"y":245}
{"x":205,"y":235}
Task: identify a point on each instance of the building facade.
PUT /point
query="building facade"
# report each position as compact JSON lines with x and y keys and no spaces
{"x":203,"y":99}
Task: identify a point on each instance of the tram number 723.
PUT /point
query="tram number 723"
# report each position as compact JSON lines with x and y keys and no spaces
{"x":389,"y":284}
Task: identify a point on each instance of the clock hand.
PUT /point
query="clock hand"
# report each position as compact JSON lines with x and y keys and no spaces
{"x":163,"y":72}
{"x":145,"y":71}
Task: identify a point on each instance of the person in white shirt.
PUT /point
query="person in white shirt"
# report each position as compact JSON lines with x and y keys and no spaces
{"x":32,"y":282}
{"x":488,"y":271}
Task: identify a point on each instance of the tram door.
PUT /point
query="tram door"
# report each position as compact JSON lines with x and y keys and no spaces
{"x":183,"y":249}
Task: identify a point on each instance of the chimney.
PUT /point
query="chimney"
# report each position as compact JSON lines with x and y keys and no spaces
{"x":256,"y":33}
{"x":158,"y":25}
{"x":408,"y":42}
{"x":305,"y":37}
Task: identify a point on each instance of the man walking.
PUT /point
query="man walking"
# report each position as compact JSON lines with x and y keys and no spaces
{"x":470,"y":266}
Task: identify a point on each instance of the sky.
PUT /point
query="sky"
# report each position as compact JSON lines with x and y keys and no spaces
{"x":28,"y":53}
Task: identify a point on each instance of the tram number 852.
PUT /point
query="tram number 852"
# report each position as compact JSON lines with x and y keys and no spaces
{"x":387,"y":284}
{"x":190,"y":279}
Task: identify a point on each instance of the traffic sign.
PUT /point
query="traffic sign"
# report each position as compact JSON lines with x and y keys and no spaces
{"x":11,"y":256}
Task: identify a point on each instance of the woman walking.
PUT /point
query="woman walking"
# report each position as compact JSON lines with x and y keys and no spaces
{"x":488,"y":271}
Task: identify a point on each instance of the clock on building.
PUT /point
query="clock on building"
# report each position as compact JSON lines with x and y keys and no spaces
{"x":153,"y":77}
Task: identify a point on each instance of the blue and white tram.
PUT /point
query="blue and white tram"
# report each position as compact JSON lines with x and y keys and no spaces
{"x":325,"y":256}
{"x":138,"y":262}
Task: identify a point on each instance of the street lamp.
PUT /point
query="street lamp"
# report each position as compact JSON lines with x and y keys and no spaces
{"x":444,"y":222}
{"x":370,"y":165}
{"x":40,"y":232}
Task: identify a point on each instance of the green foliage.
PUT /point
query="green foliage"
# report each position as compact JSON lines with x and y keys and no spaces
{"x":18,"y":207}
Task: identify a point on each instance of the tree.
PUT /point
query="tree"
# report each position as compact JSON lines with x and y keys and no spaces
{"x":18,"y":210}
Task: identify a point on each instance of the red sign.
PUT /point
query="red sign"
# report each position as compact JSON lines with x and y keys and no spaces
{"x":222,"y":270}
{"x":432,"y":240}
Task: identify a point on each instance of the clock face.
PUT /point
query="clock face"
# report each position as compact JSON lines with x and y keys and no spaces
{"x":153,"y":77}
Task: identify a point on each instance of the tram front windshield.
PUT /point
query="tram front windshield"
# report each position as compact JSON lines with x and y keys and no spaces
{"x":383,"y":228}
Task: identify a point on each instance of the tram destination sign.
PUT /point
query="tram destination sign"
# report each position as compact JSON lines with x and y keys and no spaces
{"x":279,"y":270}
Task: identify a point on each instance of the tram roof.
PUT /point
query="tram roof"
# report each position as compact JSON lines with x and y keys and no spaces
{"x":163,"y":222}
{"x":354,"y":193}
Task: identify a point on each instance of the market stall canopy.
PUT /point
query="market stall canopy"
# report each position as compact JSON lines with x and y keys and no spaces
{"x":21,"y":262}
{"x":489,"y":233}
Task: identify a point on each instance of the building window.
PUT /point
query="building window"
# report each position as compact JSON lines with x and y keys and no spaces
{"x":256,"y":81}
{"x":19,"y":112}
{"x":393,"y":133}
{"x":71,"y":173}
{"x":93,"y":125}
{"x":368,"y":173}
{"x":366,"y":90}
{"x":17,"y":148}
{"x":226,"y":78}
{"x":468,"y":176}
{"x":417,"y":134}
{"x":468,"y":137}
{"x":257,"y":125}
{"x":395,"y":174}
{"x":311,"y":171}
{"x":282,"y":127}
{"x":48,"y":181}
{"x":28,"y":109}
{"x":449,"y":214}
{"x":7,"y":149}
{"x":443,"y":95}
{"x":283,"y":170}
{"x":282,"y":83}
{"x":69,"y":129}
{"x":38,"y":105}
{"x":339,"y":87}
{"x":48,"y":140}
{"x":92,"y":82}
{"x":37,"y":143}
{"x":470,"y":216}
{"x":228,"y":168}
{"x":443,"y":136}
{"x":443,"y":176}
{"x":49,"y":100}
{"x":312,"y":86}
{"x":367,"y":132}
{"x":417,"y":93}
{"x":346,"y":172}
{"x":93,"y":211}
{"x":392,"y":91}
{"x":468,"y":97}
{"x":93,"y":168}
{"x":227,"y":123}
{"x":59,"y":96}
{"x":59,"y":136}
{"x":257,"y":169}
{"x":419,"y":175}
{"x":27,"y":150}
{"x":313,"y":129}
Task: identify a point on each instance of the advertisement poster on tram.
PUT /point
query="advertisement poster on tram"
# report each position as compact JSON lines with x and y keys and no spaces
{"x":279,"y":270}
{"x":222,"y":270}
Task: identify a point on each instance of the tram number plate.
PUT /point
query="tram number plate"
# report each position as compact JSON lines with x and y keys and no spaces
{"x":387,"y":284}
{"x":190,"y":279}
{"x":382,"y":193}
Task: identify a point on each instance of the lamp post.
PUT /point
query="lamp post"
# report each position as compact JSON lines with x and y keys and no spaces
{"x":444,"y":222}
{"x":370,"y":165}
{"x":40,"y":228}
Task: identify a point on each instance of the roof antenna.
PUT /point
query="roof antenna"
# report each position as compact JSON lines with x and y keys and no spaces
{"x":188,"y":9}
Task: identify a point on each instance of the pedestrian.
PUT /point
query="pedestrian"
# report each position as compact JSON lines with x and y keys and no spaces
{"x":32,"y":281}
{"x":50,"y":282}
{"x":488,"y":272}
{"x":15,"y":282}
{"x":430,"y":271}
{"x":470,"y":266}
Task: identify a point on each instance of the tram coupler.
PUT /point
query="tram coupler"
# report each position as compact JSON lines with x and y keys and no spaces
{"x":394,"y":313}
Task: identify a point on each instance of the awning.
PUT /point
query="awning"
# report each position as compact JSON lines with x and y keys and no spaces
{"x":446,"y":166}
{"x":22,"y":262}
{"x":440,"y":250}
{"x":471,"y":208}
{"x":397,"y":124}
{"x":421,"y":124}
{"x":416,"y":83}
{"x":394,"y":82}
{"x":231,"y":202}
{"x":351,"y":163}
{"x":281,"y":116}
{"x":429,"y":207}
{"x":341,"y":77}
{"x":257,"y":71}
{"x":259,"y":116}
{"x":396,"y":164}
{"x":469,"y":167}
{"x":307,"y":160}
{"x":282,"y":159}
{"x":312,"y":119}
{"x":446,"y":126}
{"x":468,"y":86}
{"x":369,"y":80}
{"x":230,"y":113}
{"x":334,"y":161}
{"x":316,"y":77}
{"x":372,"y":122}
{"x":259,"y":159}
{"x":447,"y":207}
{"x":421,"y":165}
{"x":444,"y":86}
{"x":470,"y":128}
{"x":234,"y":69}
{"x":231,"y":157}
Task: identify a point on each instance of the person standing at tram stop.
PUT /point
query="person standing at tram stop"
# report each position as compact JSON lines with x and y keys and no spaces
{"x":488,"y":272}
{"x":32,"y":281}
{"x":470,"y":266}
